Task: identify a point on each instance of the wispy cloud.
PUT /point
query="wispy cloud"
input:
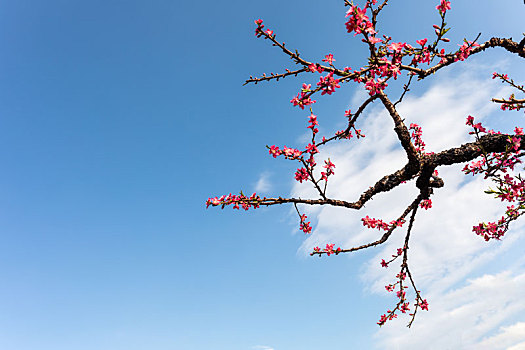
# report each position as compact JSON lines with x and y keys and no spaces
{"x":510,"y":338}
{"x":263,"y":184}
{"x":444,"y":251}
{"x":262,"y":347}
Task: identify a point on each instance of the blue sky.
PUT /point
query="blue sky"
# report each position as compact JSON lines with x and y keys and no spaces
{"x":119,"y":119}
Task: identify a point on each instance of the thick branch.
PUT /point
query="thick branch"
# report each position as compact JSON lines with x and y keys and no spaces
{"x":402,"y":132}
{"x":510,"y":102}
{"x":496,"y":143}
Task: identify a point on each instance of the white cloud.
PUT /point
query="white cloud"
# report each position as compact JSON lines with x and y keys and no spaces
{"x":511,"y":337}
{"x":262,"y":347}
{"x":263,"y":183}
{"x":444,"y":252}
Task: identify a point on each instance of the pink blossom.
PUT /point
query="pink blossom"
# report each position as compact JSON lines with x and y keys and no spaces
{"x":404,"y":307}
{"x":515,"y":142}
{"x":374,"y":87}
{"x":329,"y":249}
{"x":301,"y":175}
{"x":275,"y":151}
{"x":443,"y":6}
{"x":260,"y":26}
{"x":245,"y":202}
{"x":312,"y":148}
{"x":397,"y":223}
{"x":291,"y":153}
{"x":396,"y":46}
{"x":465,"y":50}
{"x":401,"y":294}
{"x":426,"y":204}
{"x":301,"y":102}
{"x":305,"y":226}
{"x":422,"y":42}
{"x":329,"y":58}
{"x":416,"y":137}
{"x":329,"y":166}
{"x":303,"y":99}
{"x":311,"y":160}
{"x":369,"y":222}
{"x":382,"y":320}
{"x":358,"y":21}
{"x":328,"y":84}
{"x":374,"y":40}
{"x":315,"y":68}
{"x":312,"y":119}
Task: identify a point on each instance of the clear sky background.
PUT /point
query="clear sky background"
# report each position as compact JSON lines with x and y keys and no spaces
{"x":118,"y":119}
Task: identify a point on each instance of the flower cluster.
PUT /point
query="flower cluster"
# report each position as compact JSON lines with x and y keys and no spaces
{"x":289,"y":153}
{"x":443,"y":6}
{"x":312,"y":120}
{"x":491,"y":230}
{"x":375,"y":86}
{"x":492,"y":163}
{"x":314,"y":67}
{"x":305,"y":226}
{"x":380,"y":224}
{"x":423,"y":55}
{"x":329,"y":250}
{"x":260,"y":32}
{"x":387,"y":58}
{"x":328,"y":84}
{"x":465,"y":50}
{"x":259,"y":29}
{"x":237,"y":200}
{"x":303,"y":97}
{"x":347,"y":133}
{"x":402,"y":305}
{"x":509,"y":188}
{"x":312,"y":148}
{"x":385,"y":263}
{"x":426,"y":204}
{"x":511,"y":103}
{"x":329,"y":166}
{"x":359,"y":21}
{"x":301,"y":175}
{"x":417,"y":132}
